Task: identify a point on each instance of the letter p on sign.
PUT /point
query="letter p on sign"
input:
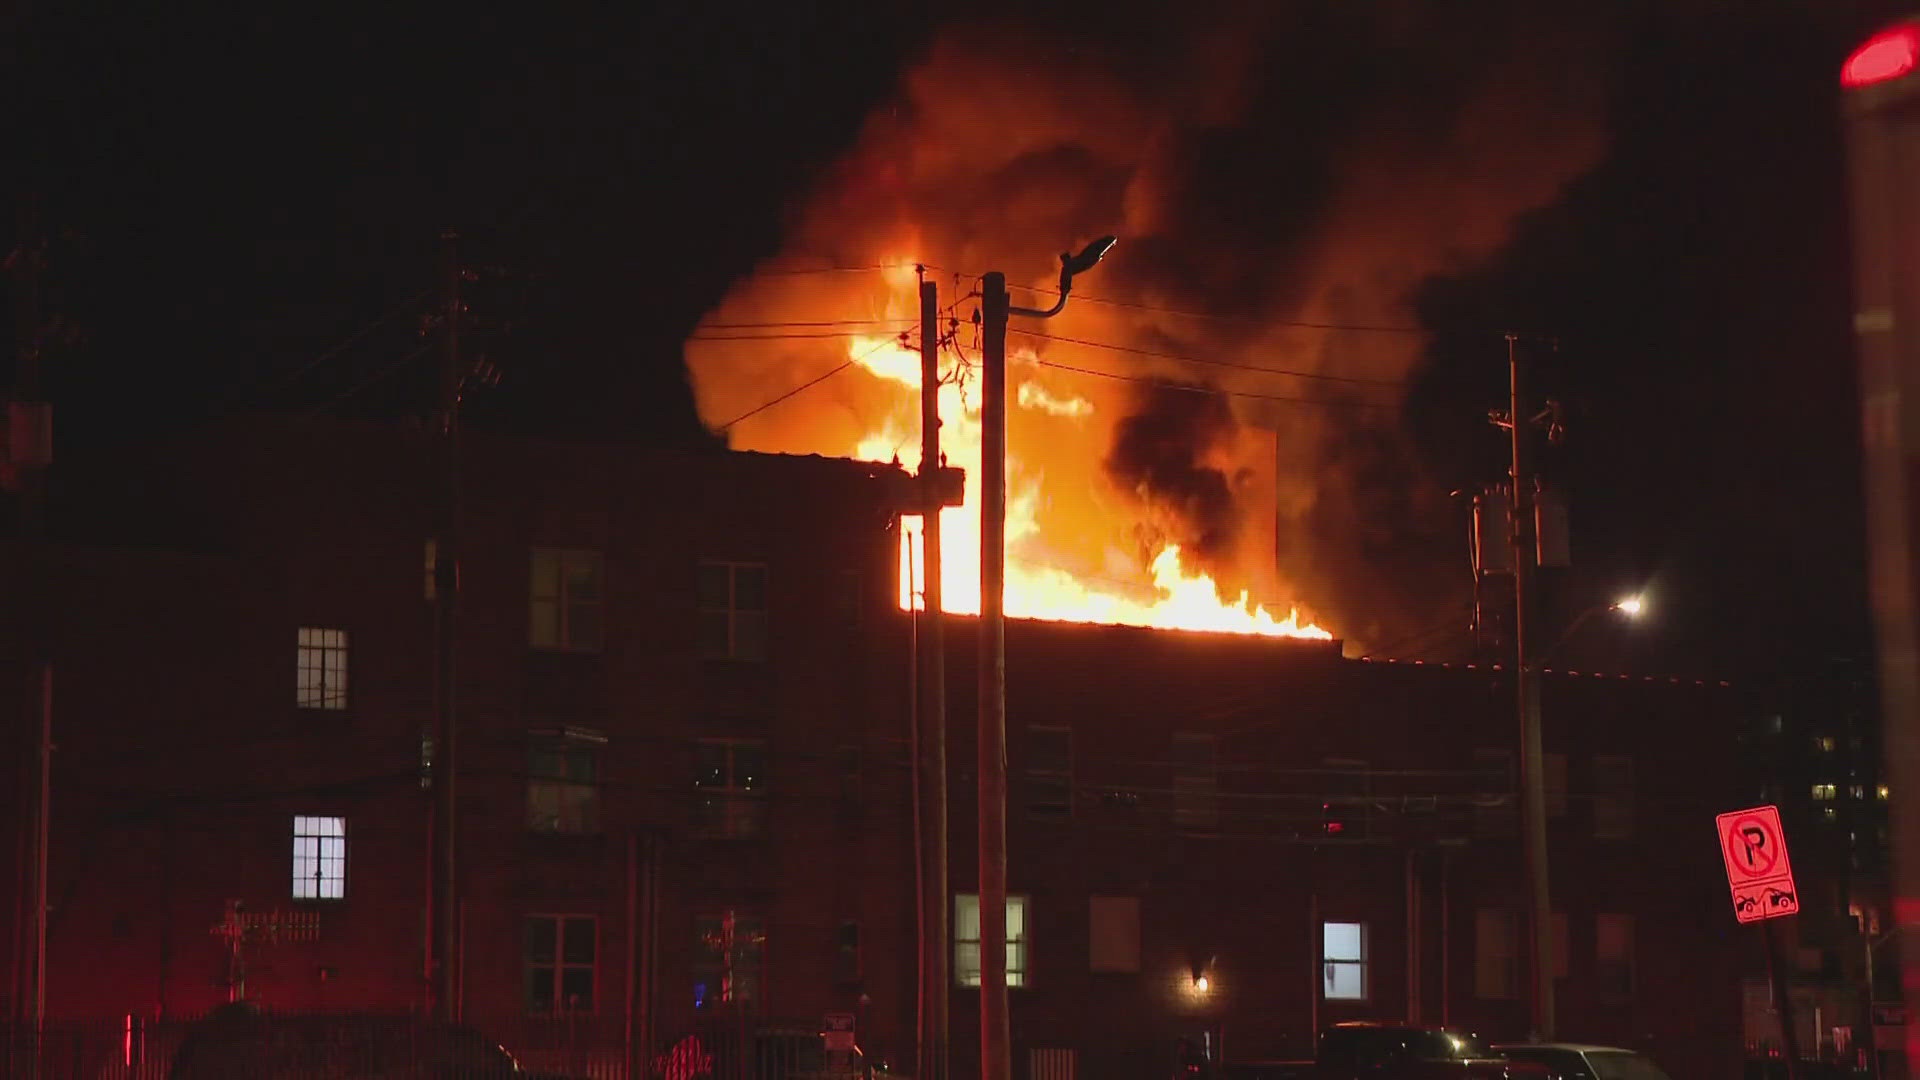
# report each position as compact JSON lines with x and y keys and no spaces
{"x":1755,"y":850}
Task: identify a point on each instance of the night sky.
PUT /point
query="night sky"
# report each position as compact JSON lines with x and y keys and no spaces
{"x":244,"y":208}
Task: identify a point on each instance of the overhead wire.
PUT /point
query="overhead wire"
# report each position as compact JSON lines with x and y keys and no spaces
{"x":809,"y":384}
{"x":381,"y":373}
{"x":1354,"y":379}
{"x":1187,"y":388}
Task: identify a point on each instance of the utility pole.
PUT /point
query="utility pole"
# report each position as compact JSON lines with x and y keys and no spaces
{"x":996,"y":1056}
{"x":30,"y":451}
{"x":446,"y":610}
{"x":933,"y":705}
{"x":1520,"y":503}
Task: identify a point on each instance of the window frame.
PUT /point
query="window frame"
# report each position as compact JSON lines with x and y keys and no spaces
{"x":318,"y":858}
{"x":1604,"y":967}
{"x":740,"y":803}
{"x":582,"y":796}
{"x":724,"y":959}
{"x":1362,"y":962}
{"x":1613,"y":806}
{"x":1509,"y":958}
{"x":560,"y":965}
{"x":1019,"y":977}
{"x":322,"y":695}
{"x":1196,"y":788}
{"x":1040,"y":779}
{"x":732,"y":612}
{"x":565,"y":560}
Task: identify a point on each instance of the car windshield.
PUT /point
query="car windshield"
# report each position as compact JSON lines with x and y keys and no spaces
{"x":1566,"y":1064}
{"x":1623,"y":1065}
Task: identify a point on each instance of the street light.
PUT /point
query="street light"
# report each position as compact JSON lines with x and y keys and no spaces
{"x":996,"y":1061}
{"x":1632,"y":607}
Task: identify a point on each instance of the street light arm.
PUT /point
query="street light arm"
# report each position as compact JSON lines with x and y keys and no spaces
{"x":1070,"y":265}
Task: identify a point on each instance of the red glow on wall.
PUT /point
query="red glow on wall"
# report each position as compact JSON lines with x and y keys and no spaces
{"x":1886,"y":55}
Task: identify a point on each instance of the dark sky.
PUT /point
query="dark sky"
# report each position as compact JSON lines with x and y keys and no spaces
{"x":232,"y":193}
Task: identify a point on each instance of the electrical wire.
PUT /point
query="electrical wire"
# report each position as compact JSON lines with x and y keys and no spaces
{"x":796,"y":336}
{"x":1371,"y":328}
{"x":352,"y":339}
{"x":779,"y":325}
{"x":810,"y":383}
{"x":378,"y":375}
{"x":1164,"y":385}
{"x":1354,"y":379}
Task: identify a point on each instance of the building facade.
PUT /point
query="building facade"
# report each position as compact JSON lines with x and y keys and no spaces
{"x":685,"y":798}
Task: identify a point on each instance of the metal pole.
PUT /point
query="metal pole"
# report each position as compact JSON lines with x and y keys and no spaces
{"x":42,"y":816}
{"x":996,"y":1059}
{"x":1782,"y":1001}
{"x":446,"y":592}
{"x":933,"y":691}
{"x":1526,"y":677}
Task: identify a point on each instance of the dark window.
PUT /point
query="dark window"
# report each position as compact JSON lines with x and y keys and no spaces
{"x":564,"y":600}
{"x":1496,"y":813}
{"x":561,"y":958}
{"x":846,"y":952}
{"x":729,"y":951}
{"x":730,"y":781}
{"x":1612,"y":797}
{"x":563,"y":782}
{"x":733,"y":610}
{"x":1196,"y":782}
{"x":1049,"y":772}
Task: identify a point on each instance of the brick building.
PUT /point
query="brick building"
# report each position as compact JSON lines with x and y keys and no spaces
{"x":685,"y":794}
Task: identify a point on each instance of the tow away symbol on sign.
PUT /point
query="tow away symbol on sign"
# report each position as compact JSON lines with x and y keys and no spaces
{"x":1755,"y":851}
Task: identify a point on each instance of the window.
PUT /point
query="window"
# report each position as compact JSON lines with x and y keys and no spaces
{"x":564,"y":600}
{"x":849,"y":598}
{"x":1495,"y":813}
{"x":1050,"y":770}
{"x":1613,"y":797}
{"x":1496,"y":954}
{"x":1824,"y":792}
{"x":1196,"y":781}
{"x":1556,"y":783}
{"x":730,"y":779}
{"x":730,"y":947}
{"x":319,"y":858}
{"x":1882,"y":793}
{"x":966,"y":939}
{"x":846,"y":953}
{"x":1613,"y":956}
{"x":563,"y":781}
{"x":733,"y":611}
{"x":1343,"y":961}
{"x":322,"y":668}
{"x":433,"y":568}
{"x":1858,"y":791}
{"x":1824,"y":744}
{"x":561,"y":954}
{"x":1113,"y":924}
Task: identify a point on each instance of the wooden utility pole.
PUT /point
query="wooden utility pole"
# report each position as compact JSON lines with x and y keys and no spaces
{"x":996,"y":1058}
{"x":1520,"y":503}
{"x":446,"y":612}
{"x":932,"y":707}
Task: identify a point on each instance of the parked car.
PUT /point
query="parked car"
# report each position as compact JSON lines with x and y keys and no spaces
{"x":1372,"y":1050}
{"x":1576,"y":1061}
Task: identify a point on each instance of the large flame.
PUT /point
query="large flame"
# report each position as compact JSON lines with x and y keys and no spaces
{"x":1176,"y":599}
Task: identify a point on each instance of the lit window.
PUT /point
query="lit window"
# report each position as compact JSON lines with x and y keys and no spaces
{"x":730,"y":781}
{"x":1830,"y":813}
{"x":1613,"y":956}
{"x":1824,"y":791}
{"x":733,"y":611}
{"x":1824,"y":744}
{"x":1343,"y":956}
{"x":322,"y":668}
{"x":563,"y":782}
{"x":966,"y":939}
{"x":561,"y":952}
{"x":319,"y":858}
{"x":1496,"y":954}
{"x":1050,"y":770}
{"x":1882,"y":793}
{"x":1196,"y":781}
{"x":1613,"y":797}
{"x":564,"y":600}
{"x":1858,"y":791}
{"x":729,"y":949}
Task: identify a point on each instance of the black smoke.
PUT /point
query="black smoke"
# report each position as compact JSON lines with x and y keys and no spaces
{"x":1160,"y":455}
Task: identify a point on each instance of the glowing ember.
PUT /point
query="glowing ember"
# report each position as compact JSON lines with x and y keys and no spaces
{"x":1175,"y":600}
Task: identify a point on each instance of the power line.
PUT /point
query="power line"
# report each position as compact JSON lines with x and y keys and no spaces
{"x":352,"y":339}
{"x":797,"y":336}
{"x":378,"y":375}
{"x":804,"y":325}
{"x":1164,"y":385}
{"x":1355,"y":379}
{"x":756,"y":410}
{"x":1371,"y":328}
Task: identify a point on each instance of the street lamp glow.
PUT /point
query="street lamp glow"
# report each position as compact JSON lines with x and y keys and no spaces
{"x":1631,"y":607}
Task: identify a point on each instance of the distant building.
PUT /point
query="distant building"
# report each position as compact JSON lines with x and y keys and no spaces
{"x":685,"y":796}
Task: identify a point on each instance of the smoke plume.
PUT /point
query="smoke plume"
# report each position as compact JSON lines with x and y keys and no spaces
{"x":1282,"y":178}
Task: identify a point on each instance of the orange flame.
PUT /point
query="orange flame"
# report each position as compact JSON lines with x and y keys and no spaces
{"x":1176,"y":600}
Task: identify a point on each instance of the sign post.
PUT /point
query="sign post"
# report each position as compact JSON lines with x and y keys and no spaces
{"x":840,"y":1039}
{"x":1754,"y":847}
